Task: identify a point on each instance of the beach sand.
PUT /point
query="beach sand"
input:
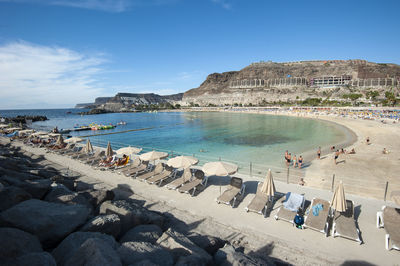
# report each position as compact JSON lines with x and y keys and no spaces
{"x":261,"y":235}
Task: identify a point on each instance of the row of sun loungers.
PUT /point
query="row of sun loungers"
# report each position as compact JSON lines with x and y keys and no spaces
{"x":319,"y":217}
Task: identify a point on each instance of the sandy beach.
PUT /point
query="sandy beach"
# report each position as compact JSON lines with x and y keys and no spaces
{"x":364,"y":175}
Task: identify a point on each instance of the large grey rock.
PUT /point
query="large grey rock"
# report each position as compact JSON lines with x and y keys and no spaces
{"x":67,"y":182}
{"x":229,"y":256}
{"x":97,"y":197}
{"x":61,"y":194}
{"x":132,"y":252}
{"x":130,"y":214}
{"x":142,"y":233}
{"x":43,"y":173}
{"x":94,"y":252}
{"x":37,"y":188}
{"x":16,"y":174}
{"x":106,"y":224}
{"x":71,"y":244}
{"x":191,"y":260}
{"x":10,"y":196}
{"x":51,"y":222}
{"x":35,"y":259}
{"x":144,"y":263}
{"x":181,"y":246}
{"x":209,"y":243}
{"x":15,"y":242}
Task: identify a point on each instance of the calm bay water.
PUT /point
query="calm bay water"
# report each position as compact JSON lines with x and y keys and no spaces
{"x":241,"y":138}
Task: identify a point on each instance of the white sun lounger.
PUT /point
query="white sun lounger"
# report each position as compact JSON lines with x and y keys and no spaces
{"x":193,"y":185}
{"x":186,"y":176}
{"x":164,"y":175}
{"x":320,"y":222}
{"x":232,"y":193}
{"x":260,"y":201}
{"x":158,"y":169}
{"x":344,"y":224}
{"x":292,"y":203}
{"x":389,"y":218}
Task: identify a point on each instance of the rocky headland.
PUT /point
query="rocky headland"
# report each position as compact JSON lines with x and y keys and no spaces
{"x":48,"y":216}
{"x":272,"y":83}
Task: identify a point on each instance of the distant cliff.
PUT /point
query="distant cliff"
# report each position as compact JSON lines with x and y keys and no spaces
{"x":129,"y":101}
{"x":268,"y":82}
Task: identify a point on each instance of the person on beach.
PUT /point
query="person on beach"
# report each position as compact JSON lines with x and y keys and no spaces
{"x":353,"y":151}
{"x":120,"y":161}
{"x":385,"y":151}
{"x":301,"y":182}
{"x":336,"y":155}
{"x":300,"y":162}
{"x":319,"y":153}
{"x":286,"y":155}
{"x":288,"y":159}
{"x":108,"y":161}
{"x":294,"y":161}
{"x":332,"y":148}
{"x":367,"y":141}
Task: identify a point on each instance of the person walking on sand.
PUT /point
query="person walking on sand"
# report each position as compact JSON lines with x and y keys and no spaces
{"x":319,"y":153}
{"x":367,"y":140}
{"x":288,"y":159}
{"x":336,"y":155}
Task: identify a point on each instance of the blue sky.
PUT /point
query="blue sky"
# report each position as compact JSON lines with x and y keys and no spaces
{"x":62,"y":52}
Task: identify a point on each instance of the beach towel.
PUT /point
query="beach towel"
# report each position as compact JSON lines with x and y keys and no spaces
{"x":293,"y":201}
{"x":316,"y":209}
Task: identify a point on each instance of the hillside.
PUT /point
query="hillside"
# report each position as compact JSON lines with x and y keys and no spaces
{"x":270,"y":82}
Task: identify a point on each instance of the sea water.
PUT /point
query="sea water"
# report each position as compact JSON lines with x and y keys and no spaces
{"x":246,"y":139}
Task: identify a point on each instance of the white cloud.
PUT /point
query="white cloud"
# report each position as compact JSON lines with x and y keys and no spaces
{"x":34,"y":76}
{"x":102,"y":5}
{"x":223,"y":3}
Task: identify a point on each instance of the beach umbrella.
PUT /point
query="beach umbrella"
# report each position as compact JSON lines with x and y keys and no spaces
{"x":44,"y":136}
{"x":128,"y":150}
{"x":153,"y":155}
{"x":88,"y":147}
{"x":73,"y":140}
{"x":3,"y":125}
{"x":14,"y":128}
{"x":268,"y":187}
{"x":109,"y":152}
{"x":339,"y":199}
{"x":60,"y":140}
{"x":219,"y":168}
{"x":182,"y":161}
{"x":54,"y":134}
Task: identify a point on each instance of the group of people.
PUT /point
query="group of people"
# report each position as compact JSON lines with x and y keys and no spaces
{"x":293,"y":160}
{"x":113,"y":161}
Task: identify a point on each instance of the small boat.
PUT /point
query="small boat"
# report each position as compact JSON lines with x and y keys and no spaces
{"x":122,"y":123}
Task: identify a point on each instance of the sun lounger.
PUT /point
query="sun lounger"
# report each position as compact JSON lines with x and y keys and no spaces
{"x":76,"y":150}
{"x":261,"y":202}
{"x":159,"y":178}
{"x":131,"y":169}
{"x":318,"y":216}
{"x":96,"y":156}
{"x":69,"y":147}
{"x":82,"y":155}
{"x":232,"y":193}
{"x":158,"y":169}
{"x":186,"y":176}
{"x":122,"y":165}
{"x":292,"y":203}
{"x":389,"y":219}
{"x":344,"y":224}
{"x":198,"y":180}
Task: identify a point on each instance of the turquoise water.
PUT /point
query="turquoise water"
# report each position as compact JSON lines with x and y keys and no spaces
{"x":241,"y":138}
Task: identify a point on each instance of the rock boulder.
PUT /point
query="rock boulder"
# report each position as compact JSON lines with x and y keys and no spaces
{"x":106,"y":224}
{"x":15,"y":242}
{"x":50,"y":222}
{"x":73,"y":242}
{"x":143,"y":233}
{"x":35,"y":259}
{"x":132,"y":252}
{"x":181,"y":246}
{"x":94,"y":252}
{"x":10,"y":196}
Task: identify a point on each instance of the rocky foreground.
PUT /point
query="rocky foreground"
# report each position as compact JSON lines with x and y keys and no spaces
{"x":48,"y":217}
